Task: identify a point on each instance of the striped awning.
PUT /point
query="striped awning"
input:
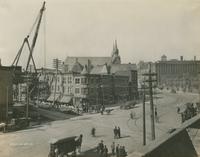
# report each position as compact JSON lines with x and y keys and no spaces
{"x":65,"y":99}
{"x":51,"y":97}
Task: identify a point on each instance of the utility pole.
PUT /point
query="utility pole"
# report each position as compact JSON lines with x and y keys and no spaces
{"x":27,"y":99}
{"x":150,"y":81}
{"x":7,"y":97}
{"x":144,"y":118}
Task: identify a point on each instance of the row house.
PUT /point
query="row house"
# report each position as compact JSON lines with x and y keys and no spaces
{"x":92,"y":88}
{"x":96,"y":89}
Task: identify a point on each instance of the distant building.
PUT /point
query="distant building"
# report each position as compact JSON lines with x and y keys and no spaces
{"x":142,"y":68}
{"x":95,"y":89}
{"x":91,"y":62}
{"x":45,"y":78}
{"x":179,"y":74}
{"x":88,"y":80}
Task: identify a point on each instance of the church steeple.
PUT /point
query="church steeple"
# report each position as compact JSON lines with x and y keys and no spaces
{"x":115,"y":54}
{"x":115,"y":49}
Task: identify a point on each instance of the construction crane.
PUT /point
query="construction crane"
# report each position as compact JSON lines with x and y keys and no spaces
{"x":26,"y":41}
{"x":28,"y":78}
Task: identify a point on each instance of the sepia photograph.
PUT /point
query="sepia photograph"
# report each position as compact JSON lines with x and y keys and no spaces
{"x":100,"y":78}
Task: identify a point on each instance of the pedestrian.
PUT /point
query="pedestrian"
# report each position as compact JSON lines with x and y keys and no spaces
{"x":156,"y":114}
{"x":101,"y":111}
{"x":79,"y":142}
{"x":77,"y":108}
{"x":115,"y":132}
{"x":113,"y":148}
{"x":119,"y":132}
{"x":124,"y":153}
{"x":101,"y":147}
{"x":183,"y":117}
{"x":105,"y":151}
{"x":178,"y":109}
{"x":131,"y":115}
{"x":93,"y":131}
{"x":117,"y":150}
{"x":56,"y":151}
{"x":120,"y":151}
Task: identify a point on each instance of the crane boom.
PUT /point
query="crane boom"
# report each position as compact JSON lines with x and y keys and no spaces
{"x":35,"y":35}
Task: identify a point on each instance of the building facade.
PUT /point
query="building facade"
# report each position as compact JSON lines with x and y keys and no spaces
{"x":93,"y":80}
{"x":6,"y":91}
{"x":178,"y":74}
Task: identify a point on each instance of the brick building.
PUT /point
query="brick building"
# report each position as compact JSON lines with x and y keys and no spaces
{"x":93,"y":80}
{"x":95,"y":89}
{"x":6,"y":91}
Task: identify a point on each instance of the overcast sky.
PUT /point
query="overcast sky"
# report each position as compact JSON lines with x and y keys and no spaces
{"x":144,"y":29}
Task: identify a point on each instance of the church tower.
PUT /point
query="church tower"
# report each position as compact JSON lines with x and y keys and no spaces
{"x":115,"y":58}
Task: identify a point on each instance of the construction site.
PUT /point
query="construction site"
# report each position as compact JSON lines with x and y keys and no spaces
{"x":36,"y":114}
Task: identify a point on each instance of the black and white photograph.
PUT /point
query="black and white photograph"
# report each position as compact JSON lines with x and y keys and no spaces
{"x":99,"y":78}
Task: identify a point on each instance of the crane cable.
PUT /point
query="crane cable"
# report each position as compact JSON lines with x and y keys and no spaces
{"x":35,"y":22}
{"x":44,"y":19}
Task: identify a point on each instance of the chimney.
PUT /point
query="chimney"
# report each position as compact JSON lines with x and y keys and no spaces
{"x":89,"y":66}
{"x":195,"y":58}
{"x":181,"y":58}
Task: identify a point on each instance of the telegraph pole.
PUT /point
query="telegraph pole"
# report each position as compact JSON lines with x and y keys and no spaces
{"x":27,"y":99}
{"x":144,"y":118}
{"x":7,"y":97}
{"x":150,"y":80}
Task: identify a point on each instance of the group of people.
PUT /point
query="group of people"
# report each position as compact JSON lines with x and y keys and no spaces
{"x":117,"y":132}
{"x":190,"y":111}
{"x":102,"y":149}
{"x":118,"y":151}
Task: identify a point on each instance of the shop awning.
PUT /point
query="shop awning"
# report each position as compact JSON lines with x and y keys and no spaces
{"x":65,"y":99}
{"x":51,"y":97}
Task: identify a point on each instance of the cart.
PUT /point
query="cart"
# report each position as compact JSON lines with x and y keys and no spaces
{"x":65,"y":146}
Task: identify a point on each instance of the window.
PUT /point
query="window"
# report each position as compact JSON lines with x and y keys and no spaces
{"x":69,"y":79}
{"x":84,"y":91}
{"x":91,"y":80}
{"x":82,"y":80}
{"x":77,"y":80}
{"x":77,"y":90}
{"x":64,"y":80}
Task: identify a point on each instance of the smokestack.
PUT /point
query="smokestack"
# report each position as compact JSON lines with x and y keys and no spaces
{"x":195,"y":58}
{"x":181,"y":58}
